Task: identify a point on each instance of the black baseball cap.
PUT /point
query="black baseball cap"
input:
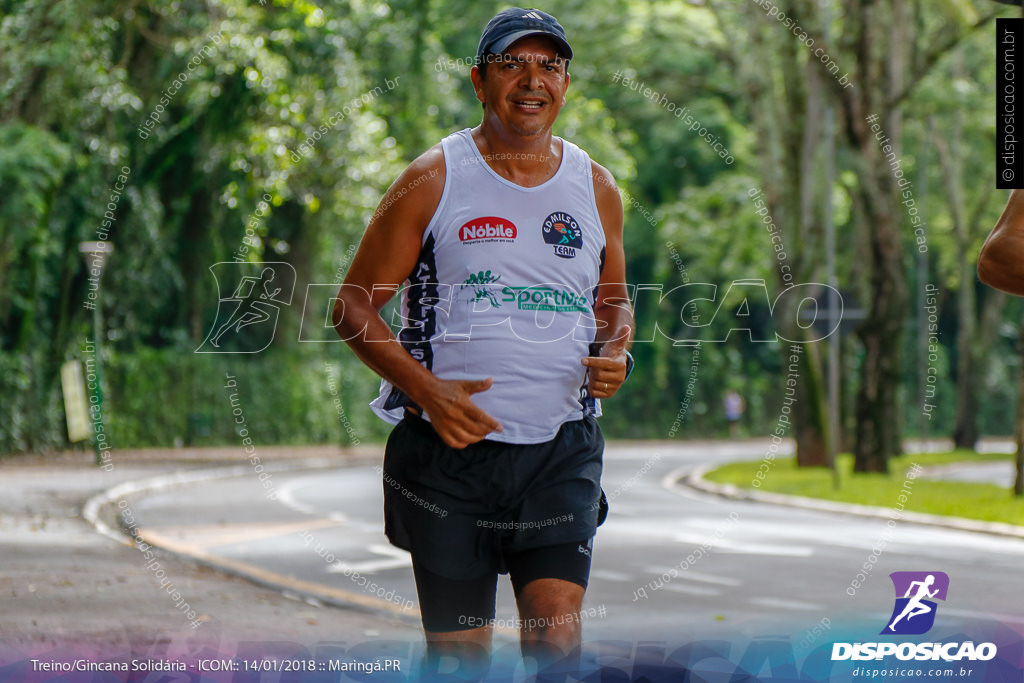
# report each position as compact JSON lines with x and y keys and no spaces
{"x":512,"y":24}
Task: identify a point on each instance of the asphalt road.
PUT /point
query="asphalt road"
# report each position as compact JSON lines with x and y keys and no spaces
{"x":998,"y":473}
{"x":767,"y":569}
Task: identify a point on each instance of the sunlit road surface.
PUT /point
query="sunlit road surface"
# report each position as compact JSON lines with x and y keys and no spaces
{"x":999,"y":473}
{"x":766,"y":570}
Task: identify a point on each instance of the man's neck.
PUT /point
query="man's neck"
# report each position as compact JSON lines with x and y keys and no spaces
{"x":524,"y":160}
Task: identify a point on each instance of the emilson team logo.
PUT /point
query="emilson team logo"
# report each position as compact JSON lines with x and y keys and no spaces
{"x":563,"y":232}
{"x":914,"y":612}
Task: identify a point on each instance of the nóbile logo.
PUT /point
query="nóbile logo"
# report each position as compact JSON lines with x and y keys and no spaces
{"x":488,"y":229}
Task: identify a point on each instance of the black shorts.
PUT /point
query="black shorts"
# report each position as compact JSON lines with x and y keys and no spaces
{"x":463,"y":512}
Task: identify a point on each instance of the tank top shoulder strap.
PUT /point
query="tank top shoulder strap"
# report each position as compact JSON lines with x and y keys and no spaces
{"x":455,"y":162}
{"x":459,"y":151}
{"x":577,"y":160}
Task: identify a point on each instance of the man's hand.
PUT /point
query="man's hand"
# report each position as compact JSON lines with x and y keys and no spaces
{"x":608,"y":371}
{"x":454,"y":416}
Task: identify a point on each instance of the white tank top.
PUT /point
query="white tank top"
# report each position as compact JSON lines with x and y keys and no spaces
{"x":504,"y":287}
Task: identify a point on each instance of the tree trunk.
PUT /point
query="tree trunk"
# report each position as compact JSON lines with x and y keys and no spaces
{"x":788,"y":122}
{"x":886,"y":68}
{"x":965,"y":431}
{"x":289,"y":221}
{"x":811,"y":411}
{"x":880,"y":75}
{"x":876,"y":429}
{"x":876,"y":435}
{"x":194,"y":261}
{"x":810,"y":415}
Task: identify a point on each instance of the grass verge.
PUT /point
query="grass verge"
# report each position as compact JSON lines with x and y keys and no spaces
{"x":986,"y":502}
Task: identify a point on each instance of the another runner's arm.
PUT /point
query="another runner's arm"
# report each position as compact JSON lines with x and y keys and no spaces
{"x":1001,"y":262}
{"x":386,"y":256}
{"x":612,"y":310}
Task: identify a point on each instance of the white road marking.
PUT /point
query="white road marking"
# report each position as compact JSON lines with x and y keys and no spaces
{"x":609,"y":575}
{"x":690,"y":590}
{"x":644,"y":454}
{"x":722,"y":545}
{"x":699,"y":578}
{"x":208,"y":536}
{"x":396,"y":559}
{"x":787,"y":604}
{"x":285,"y":496}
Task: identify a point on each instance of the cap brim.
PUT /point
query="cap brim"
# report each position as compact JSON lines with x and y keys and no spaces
{"x":505,"y":43}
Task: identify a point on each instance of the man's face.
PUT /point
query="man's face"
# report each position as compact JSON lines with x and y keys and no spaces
{"x":525,"y":86}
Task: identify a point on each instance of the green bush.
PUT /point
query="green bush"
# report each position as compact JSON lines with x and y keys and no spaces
{"x":160,"y":398}
{"x":169,"y":397}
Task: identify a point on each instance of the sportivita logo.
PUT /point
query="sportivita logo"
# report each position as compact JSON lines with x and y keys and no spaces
{"x":914,"y":612}
{"x":563,"y":232}
{"x":488,"y":229}
{"x":481,"y":285}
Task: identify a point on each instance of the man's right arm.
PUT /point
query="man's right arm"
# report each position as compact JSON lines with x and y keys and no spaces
{"x":386,"y":256}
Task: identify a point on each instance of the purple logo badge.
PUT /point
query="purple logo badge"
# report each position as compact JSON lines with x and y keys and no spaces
{"x":914,"y":612}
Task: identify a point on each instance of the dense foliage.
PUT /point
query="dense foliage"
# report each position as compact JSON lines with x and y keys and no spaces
{"x":220,"y":117}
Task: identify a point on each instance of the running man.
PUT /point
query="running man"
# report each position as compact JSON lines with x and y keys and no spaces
{"x":251,"y":308}
{"x":915,"y":607}
{"x":495,"y":386}
{"x":1001,"y":262}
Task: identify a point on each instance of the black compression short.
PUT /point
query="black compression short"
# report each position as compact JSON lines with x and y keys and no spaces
{"x":458,"y":605}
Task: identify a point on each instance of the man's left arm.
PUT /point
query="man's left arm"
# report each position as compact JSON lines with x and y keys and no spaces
{"x":612,"y":310}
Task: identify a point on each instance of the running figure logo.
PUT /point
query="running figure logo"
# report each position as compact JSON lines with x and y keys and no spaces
{"x":564,"y":234}
{"x":480,"y":282}
{"x":914,"y":613}
{"x":259,"y":292}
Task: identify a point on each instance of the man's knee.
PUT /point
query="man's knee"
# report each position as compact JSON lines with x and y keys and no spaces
{"x":550,"y":599}
{"x":457,"y":655}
